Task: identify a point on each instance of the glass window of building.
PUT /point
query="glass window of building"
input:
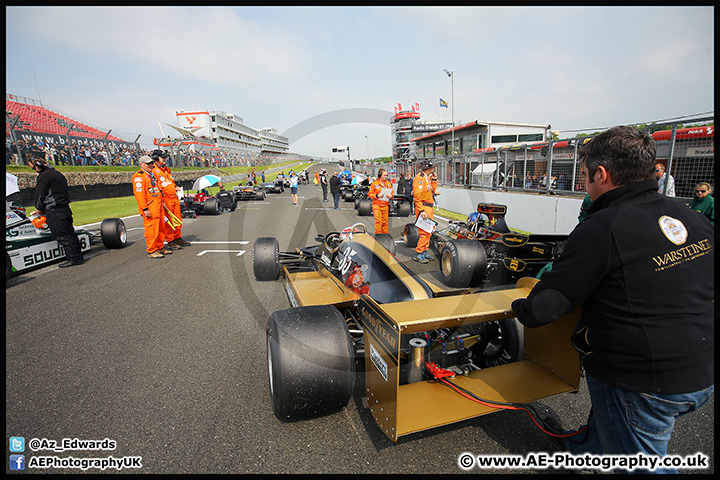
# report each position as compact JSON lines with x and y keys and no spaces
{"x":504,"y":138}
{"x":530,"y":137}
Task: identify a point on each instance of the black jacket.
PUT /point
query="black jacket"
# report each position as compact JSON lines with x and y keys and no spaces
{"x":334,"y":184}
{"x":641,"y":268}
{"x":51,"y":190}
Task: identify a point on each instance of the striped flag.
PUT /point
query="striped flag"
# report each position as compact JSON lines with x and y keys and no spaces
{"x":443,"y":103}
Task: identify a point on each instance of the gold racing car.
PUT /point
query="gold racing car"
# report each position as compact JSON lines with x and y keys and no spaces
{"x":355,"y":305}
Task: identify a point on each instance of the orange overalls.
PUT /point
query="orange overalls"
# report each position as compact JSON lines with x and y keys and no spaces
{"x":380,"y":207}
{"x":423,"y":190}
{"x":148,"y":196}
{"x":166,"y":182}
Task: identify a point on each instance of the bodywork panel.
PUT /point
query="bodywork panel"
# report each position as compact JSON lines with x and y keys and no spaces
{"x":550,"y":364}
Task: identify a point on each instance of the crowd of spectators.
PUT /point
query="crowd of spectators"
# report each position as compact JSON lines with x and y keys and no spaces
{"x":74,"y":154}
{"x":112,"y":154}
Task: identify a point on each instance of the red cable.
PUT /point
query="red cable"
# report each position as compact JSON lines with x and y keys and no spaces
{"x":509,"y":407}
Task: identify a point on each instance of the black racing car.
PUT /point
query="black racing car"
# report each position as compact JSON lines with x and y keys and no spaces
{"x":249,"y":192}
{"x":193,"y":205}
{"x":484,"y":251}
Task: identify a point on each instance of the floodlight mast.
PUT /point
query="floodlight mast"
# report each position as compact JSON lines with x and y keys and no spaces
{"x":452,"y":99}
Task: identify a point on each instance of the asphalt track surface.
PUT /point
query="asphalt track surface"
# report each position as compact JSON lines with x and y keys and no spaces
{"x":167,"y":358}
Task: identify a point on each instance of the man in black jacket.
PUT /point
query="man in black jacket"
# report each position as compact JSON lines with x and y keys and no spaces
{"x":640,"y":267}
{"x":335,"y":189}
{"x":52,"y":199}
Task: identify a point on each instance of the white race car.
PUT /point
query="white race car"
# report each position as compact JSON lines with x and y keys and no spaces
{"x":27,"y":246}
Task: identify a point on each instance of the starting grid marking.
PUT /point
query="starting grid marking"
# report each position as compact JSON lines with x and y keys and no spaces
{"x":239,"y":252}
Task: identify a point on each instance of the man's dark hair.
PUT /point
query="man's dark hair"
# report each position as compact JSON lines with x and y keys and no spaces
{"x":628,"y":154}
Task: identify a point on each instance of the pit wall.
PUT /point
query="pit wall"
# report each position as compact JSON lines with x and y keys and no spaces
{"x":529,"y":212}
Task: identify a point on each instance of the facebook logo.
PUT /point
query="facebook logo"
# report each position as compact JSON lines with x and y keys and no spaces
{"x":17,"y":444}
{"x":17,"y":462}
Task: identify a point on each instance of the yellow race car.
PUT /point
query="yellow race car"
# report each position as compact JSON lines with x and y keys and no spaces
{"x":355,"y":305}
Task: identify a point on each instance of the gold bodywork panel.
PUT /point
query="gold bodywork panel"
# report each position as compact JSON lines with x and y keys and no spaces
{"x":318,"y":288}
{"x":550,"y":364}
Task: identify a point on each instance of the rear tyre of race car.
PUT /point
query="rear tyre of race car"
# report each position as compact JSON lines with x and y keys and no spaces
{"x":411,"y":235}
{"x":505,"y":343}
{"x":211,"y":206}
{"x":260,"y":194}
{"x":365,"y":208}
{"x":404,"y":209}
{"x":348,"y":197}
{"x":463,"y":263}
{"x":266,"y":256}
{"x":311,"y":362}
{"x":8,"y":266}
{"x":113,"y":233}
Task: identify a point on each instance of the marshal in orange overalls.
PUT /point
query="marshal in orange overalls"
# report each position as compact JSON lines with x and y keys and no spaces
{"x":423,"y":190}
{"x":167,"y":185}
{"x":380,"y":207}
{"x":148,"y":196}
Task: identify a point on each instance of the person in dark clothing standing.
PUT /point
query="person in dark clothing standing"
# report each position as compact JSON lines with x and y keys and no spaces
{"x":646,"y":328}
{"x":52,"y":199}
{"x":335,"y":189}
{"x":324,"y":183}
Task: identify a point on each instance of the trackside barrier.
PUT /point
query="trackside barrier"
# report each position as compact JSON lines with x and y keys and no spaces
{"x":553,"y":167}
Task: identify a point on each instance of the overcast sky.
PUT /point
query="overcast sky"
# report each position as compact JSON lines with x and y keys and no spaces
{"x":126,"y":68}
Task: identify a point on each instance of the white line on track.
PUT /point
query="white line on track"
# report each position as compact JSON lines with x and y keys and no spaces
{"x":239,"y":252}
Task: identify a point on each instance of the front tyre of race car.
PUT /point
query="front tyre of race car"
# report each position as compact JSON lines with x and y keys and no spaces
{"x":266,"y":256}
{"x":113,"y":233}
{"x":463,"y":263}
{"x":411,"y":235}
{"x":311,"y":362}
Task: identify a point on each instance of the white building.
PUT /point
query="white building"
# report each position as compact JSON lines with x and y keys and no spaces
{"x":218,"y":130}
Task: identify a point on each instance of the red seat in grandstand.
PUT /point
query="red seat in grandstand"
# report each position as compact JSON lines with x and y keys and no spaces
{"x":42,"y":120}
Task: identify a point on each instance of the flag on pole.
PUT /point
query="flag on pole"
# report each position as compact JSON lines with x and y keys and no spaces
{"x":443,"y":103}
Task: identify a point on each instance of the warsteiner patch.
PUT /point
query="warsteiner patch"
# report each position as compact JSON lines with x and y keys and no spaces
{"x":673,"y":229}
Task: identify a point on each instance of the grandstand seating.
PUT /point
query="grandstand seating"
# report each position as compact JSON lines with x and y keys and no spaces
{"x":34,"y":118}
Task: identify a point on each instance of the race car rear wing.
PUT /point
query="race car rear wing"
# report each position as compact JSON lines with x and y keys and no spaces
{"x":550,"y":364}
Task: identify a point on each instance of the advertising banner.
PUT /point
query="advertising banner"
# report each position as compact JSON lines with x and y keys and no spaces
{"x":51,"y":138}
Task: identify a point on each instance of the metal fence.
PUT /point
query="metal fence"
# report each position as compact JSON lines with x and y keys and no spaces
{"x":553,"y":167}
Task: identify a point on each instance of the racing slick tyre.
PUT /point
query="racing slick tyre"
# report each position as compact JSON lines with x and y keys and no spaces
{"x":113,"y":233}
{"x":365,"y":208}
{"x":411,"y":235}
{"x":463,"y":263}
{"x":311,"y":362}
{"x":404,"y":209}
{"x":266,"y":259}
{"x":387,"y":241}
{"x":348,"y":197}
{"x":260,"y":194}
{"x":505,"y":343}
{"x":8,"y":266}
{"x":211,"y":207}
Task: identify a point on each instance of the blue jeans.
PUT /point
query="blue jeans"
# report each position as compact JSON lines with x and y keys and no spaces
{"x":336,"y":199}
{"x":626,"y":423}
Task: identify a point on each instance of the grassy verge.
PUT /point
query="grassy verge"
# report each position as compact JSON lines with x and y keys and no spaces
{"x":93,"y":211}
